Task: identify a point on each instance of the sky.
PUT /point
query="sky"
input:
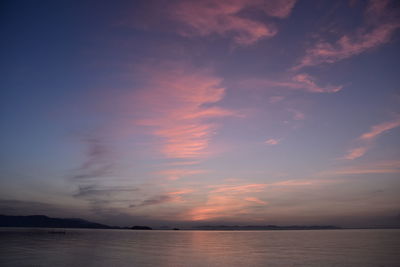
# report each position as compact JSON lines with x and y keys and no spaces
{"x":188,"y":112}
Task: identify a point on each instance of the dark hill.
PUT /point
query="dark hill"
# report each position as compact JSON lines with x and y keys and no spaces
{"x":140,"y":227}
{"x":44,"y":221}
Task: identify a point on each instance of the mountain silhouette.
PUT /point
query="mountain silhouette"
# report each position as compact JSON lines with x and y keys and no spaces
{"x":44,"y":221}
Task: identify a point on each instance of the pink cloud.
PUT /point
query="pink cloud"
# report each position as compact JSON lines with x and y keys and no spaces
{"x":357,"y":152}
{"x":273,"y":141}
{"x":181,"y":192}
{"x":392,"y":166}
{"x":207,"y":17}
{"x":298,"y":184}
{"x":308,"y":82}
{"x":175,"y":174}
{"x":367,"y":138}
{"x":231,"y":201}
{"x":184,"y":163}
{"x":177,"y":196}
{"x":378,"y":30}
{"x":256,"y":200}
{"x":239,"y":189}
{"x":278,"y":8}
{"x":217,"y":207}
{"x":379,"y":129}
{"x":367,"y":171}
{"x":297,"y":82}
{"x":347,"y":46}
{"x":223,"y":206}
{"x":177,"y":105}
{"x":295,"y":183}
{"x":297,"y":115}
{"x":377,"y":9}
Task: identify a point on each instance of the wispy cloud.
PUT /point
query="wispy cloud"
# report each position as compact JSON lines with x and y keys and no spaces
{"x":381,"y":167}
{"x":368,"y":171}
{"x":379,"y":129}
{"x":106,"y":198}
{"x":156,"y":200}
{"x":183,"y":163}
{"x":174,"y":196}
{"x":256,"y":200}
{"x":297,"y":114}
{"x":235,"y":200}
{"x":239,"y":189}
{"x":208,"y":17}
{"x":220,"y":206}
{"x":227,"y":201}
{"x":178,"y":103}
{"x":307,"y":82}
{"x":357,"y":152}
{"x":182,"y":191}
{"x":367,"y":138}
{"x":295,"y":183}
{"x":89,"y":191}
{"x":272,"y":141}
{"x":98,"y":162}
{"x":380,"y":24}
{"x":276,"y":8}
{"x":175,"y":174}
{"x":301,"y":81}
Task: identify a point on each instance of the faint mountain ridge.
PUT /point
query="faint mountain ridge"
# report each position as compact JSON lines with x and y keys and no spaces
{"x":267,"y":227}
{"x":45,"y":221}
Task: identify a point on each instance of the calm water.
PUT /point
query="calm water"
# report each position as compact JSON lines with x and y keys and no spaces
{"x":27,"y":247}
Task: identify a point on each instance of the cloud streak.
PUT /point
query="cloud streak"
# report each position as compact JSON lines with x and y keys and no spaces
{"x":223,"y":18}
{"x":240,"y":189}
{"x":303,"y":81}
{"x":241,"y":200}
{"x":371,"y":168}
{"x":256,"y":200}
{"x":98,"y":162}
{"x":272,"y":141}
{"x":227,"y":201}
{"x":175,"y":174}
{"x":178,"y":103}
{"x":174,"y":196}
{"x":356,"y":152}
{"x":380,"y":25}
{"x":368,"y":138}
{"x":88,"y":191}
{"x":379,"y":129}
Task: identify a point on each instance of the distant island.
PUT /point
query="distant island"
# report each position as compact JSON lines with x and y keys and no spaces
{"x":267,"y":227}
{"x":48,"y":222}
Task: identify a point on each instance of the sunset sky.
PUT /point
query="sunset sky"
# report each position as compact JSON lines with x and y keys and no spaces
{"x":194,"y":112}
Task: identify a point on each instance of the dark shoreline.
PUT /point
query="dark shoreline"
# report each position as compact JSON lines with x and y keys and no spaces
{"x":42,"y":221}
{"x":194,"y":229}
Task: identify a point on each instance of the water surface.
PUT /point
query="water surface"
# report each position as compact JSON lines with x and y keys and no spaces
{"x":81,"y":247}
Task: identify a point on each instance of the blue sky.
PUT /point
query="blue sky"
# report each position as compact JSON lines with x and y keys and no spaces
{"x":193,"y":112}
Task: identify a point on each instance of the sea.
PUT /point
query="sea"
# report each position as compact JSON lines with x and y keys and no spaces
{"x":83,"y":247}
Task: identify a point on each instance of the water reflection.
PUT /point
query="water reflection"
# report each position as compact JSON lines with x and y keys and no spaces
{"x":26,"y":247}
